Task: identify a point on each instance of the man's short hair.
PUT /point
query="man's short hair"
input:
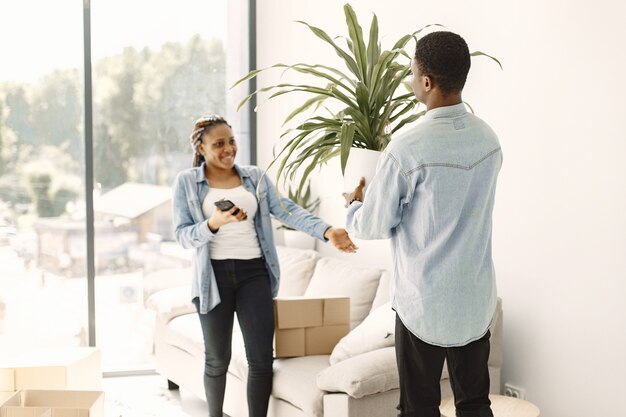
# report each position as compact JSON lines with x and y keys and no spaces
{"x":445,"y":58}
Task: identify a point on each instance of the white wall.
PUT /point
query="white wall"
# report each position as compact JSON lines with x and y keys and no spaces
{"x":560,"y":217}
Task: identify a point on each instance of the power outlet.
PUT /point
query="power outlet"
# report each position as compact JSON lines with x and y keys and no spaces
{"x":514,"y":392}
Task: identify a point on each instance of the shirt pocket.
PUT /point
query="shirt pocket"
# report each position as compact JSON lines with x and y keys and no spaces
{"x":195,"y":208}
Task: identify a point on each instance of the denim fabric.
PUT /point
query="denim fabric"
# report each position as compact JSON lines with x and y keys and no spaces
{"x":419,"y":369}
{"x":433,"y":195}
{"x":192,"y":230}
{"x":244,"y":288}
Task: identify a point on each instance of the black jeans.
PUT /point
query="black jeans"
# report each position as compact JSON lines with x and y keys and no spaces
{"x":244,"y":287}
{"x":420,"y":365}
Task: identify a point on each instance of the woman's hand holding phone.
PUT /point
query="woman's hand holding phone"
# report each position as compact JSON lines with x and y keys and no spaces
{"x":225,"y":212}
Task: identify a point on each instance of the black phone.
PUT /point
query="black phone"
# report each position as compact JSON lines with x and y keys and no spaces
{"x":224,"y":205}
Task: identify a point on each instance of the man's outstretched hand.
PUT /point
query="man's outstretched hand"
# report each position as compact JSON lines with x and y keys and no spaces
{"x":340,"y":239}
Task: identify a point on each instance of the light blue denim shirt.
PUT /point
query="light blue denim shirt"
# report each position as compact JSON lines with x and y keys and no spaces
{"x":433,"y":195}
{"x":192,"y":229}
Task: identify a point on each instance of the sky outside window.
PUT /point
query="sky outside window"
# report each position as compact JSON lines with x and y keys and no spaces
{"x":39,"y":36}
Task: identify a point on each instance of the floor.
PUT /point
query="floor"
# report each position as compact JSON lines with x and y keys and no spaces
{"x":148,"y":396}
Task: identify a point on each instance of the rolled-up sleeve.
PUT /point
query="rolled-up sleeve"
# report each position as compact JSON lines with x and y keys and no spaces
{"x":189,"y":234}
{"x":292,"y":214}
{"x":385,"y":196}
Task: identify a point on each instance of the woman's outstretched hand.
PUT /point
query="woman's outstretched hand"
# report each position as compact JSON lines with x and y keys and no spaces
{"x":340,"y":239}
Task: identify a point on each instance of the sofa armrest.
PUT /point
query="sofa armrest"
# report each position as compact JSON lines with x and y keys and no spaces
{"x":365,"y":374}
{"x":171,"y":302}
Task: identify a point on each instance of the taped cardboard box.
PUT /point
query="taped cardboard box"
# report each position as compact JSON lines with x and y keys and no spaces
{"x":7,"y":379}
{"x":27,"y":403}
{"x":309,"y":326}
{"x":78,"y":368}
{"x":322,"y":340}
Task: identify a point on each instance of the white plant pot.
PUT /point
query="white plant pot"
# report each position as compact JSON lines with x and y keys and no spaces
{"x":361,"y":163}
{"x":298,"y":239}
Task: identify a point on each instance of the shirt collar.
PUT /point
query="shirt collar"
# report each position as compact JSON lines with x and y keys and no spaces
{"x":201,"y":176}
{"x":455,"y":110}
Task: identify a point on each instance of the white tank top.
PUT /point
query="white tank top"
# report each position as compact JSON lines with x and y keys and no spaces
{"x":236,"y":240}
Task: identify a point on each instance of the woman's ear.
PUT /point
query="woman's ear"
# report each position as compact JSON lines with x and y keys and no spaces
{"x":200,"y":148}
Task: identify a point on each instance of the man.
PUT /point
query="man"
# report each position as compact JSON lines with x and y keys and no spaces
{"x":433,"y":196}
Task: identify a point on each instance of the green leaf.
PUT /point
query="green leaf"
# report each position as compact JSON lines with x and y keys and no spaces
{"x":307,"y":104}
{"x":307,"y":171}
{"x":335,"y":71}
{"x":362,"y":98}
{"x":401,"y":43}
{"x":373,"y":47}
{"x":407,"y":120}
{"x":350,"y":63}
{"x":348,"y":43}
{"x":312,"y":71}
{"x":479,"y":53}
{"x":262,"y":90}
{"x":304,"y":89}
{"x":250,"y":75}
{"x":336,"y":93}
{"x":361,"y":123}
{"x":346,"y":136}
{"x":356,"y":36}
{"x":382,"y":67}
{"x":408,"y":107}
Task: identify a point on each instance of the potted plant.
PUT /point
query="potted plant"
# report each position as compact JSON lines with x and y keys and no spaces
{"x":295,"y":238}
{"x":368,"y":108}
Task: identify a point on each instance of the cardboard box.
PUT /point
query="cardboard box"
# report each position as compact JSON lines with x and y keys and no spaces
{"x":309,"y":326}
{"x":322,"y":340}
{"x":336,"y":311}
{"x":296,"y":312}
{"x":25,"y":412}
{"x":76,"y":368}
{"x":7,"y":379}
{"x":289,"y":343}
{"x":4,"y":395}
{"x":27,"y":403}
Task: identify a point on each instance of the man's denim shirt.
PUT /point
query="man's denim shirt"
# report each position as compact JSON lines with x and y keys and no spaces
{"x":433,"y":196}
{"x":192,"y":229}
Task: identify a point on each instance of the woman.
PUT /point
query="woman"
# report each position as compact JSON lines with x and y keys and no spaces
{"x":235,"y":266}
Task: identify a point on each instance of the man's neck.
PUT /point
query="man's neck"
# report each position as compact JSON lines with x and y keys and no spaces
{"x":439,"y":100}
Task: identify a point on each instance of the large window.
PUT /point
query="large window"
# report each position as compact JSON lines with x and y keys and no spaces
{"x":156,"y":67}
{"x":43,"y":299}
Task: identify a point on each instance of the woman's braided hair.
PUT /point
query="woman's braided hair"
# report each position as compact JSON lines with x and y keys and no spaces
{"x":202,"y":125}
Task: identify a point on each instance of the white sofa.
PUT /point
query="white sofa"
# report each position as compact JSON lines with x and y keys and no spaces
{"x":362,"y":379}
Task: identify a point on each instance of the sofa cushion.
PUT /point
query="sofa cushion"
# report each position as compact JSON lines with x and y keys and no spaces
{"x":361,"y":375}
{"x":375,"y":332}
{"x":336,"y":277}
{"x":383,"y":292}
{"x":296,"y":270}
{"x":171,"y":302}
{"x":185,"y":333}
{"x":165,"y":278}
{"x":294,"y":382}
